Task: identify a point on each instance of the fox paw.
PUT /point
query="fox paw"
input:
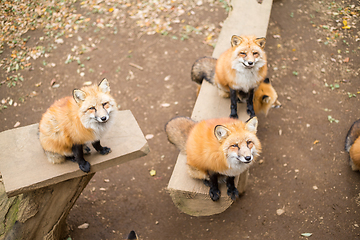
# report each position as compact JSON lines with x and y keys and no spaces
{"x":233,"y":193}
{"x":214,"y":194}
{"x":235,"y":116}
{"x":105,"y":150}
{"x":85,"y":166}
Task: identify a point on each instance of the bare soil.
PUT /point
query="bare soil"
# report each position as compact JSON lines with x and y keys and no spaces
{"x":302,"y":182}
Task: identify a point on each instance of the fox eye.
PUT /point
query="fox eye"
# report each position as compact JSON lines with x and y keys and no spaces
{"x":104,"y":104}
{"x":255,"y":54}
{"x":250,"y":144}
{"x":242,"y":54}
{"x":234,"y":145}
{"x":91,"y":108}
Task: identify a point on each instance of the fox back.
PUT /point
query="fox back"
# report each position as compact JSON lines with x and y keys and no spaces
{"x":77,"y":120}
{"x":352,"y":145}
{"x":265,"y":98}
{"x":226,"y":146}
{"x":243,"y":65}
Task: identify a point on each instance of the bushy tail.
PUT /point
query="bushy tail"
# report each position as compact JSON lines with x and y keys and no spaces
{"x":177,"y":130}
{"x":203,"y":68}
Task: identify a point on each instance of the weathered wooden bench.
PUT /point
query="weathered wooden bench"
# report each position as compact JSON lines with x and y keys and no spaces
{"x":191,"y":196}
{"x":36,"y":196}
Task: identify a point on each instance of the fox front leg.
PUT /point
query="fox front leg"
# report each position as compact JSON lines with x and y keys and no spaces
{"x":233,"y":104}
{"x":214,"y":191}
{"x":250,"y":104}
{"x":102,"y":150}
{"x":79,"y":157}
{"x":231,"y":189}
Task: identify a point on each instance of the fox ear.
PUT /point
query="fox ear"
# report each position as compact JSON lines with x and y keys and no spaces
{"x":104,"y":86}
{"x":221,"y":132}
{"x":236,"y":40}
{"x":79,"y":95}
{"x":265,"y":99}
{"x":251,"y":124}
{"x":260,"y":42}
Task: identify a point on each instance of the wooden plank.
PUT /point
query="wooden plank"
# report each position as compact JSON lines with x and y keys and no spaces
{"x":191,"y":196}
{"x":24,"y":166}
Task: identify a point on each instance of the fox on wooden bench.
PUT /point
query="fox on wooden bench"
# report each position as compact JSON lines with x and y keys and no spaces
{"x":36,"y":194}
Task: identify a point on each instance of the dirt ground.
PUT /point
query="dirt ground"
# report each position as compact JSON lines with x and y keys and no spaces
{"x":301,"y":185}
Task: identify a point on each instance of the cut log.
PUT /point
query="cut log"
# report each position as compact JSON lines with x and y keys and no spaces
{"x":36,"y":196}
{"x":191,"y":196}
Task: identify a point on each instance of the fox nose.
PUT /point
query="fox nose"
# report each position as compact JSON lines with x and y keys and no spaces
{"x":250,"y":63}
{"x":248,"y":158}
{"x":103,"y":118}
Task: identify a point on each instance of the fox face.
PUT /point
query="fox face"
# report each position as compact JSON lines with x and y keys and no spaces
{"x":265,"y":98}
{"x":249,"y":53}
{"x":240,"y":146}
{"x":96,"y":105}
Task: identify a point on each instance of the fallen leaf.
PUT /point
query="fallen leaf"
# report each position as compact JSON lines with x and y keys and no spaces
{"x":306,"y":234}
{"x":17,"y":124}
{"x":152,"y":172}
{"x":346,"y":60}
{"x":316,"y":142}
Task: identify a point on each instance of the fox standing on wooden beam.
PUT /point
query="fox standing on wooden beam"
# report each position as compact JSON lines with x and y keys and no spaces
{"x":239,"y":70}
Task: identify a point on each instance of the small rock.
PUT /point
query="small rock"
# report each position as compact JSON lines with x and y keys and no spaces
{"x":149,"y":136}
{"x":165,"y":105}
{"x":167,"y":78}
{"x":280,"y":211}
{"x":84,"y":226}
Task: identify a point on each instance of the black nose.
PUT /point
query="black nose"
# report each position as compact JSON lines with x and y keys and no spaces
{"x":248,"y":158}
{"x":103,"y":119}
{"x":250,"y":63}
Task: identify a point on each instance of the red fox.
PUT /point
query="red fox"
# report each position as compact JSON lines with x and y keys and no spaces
{"x":239,"y":70}
{"x":216,"y":147}
{"x":73,"y":121}
{"x":352,"y":145}
{"x":265,"y":96}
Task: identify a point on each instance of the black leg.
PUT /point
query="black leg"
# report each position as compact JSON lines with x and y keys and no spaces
{"x":214,"y":191}
{"x":231,"y":189}
{"x":102,"y":150}
{"x":79,"y":157}
{"x":233,"y":103}
{"x":250,"y":104}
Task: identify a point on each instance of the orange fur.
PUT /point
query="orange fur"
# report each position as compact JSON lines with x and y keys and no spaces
{"x":205,"y":152}
{"x":355,"y":155}
{"x":232,"y":69}
{"x":265,"y":97}
{"x":74,"y":120}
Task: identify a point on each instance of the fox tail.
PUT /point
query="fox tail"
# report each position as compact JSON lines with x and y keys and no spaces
{"x":177,"y":130}
{"x":203,"y":68}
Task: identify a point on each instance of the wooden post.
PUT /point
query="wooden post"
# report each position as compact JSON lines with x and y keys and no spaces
{"x":37,"y":196}
{"x":189,"y":195}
